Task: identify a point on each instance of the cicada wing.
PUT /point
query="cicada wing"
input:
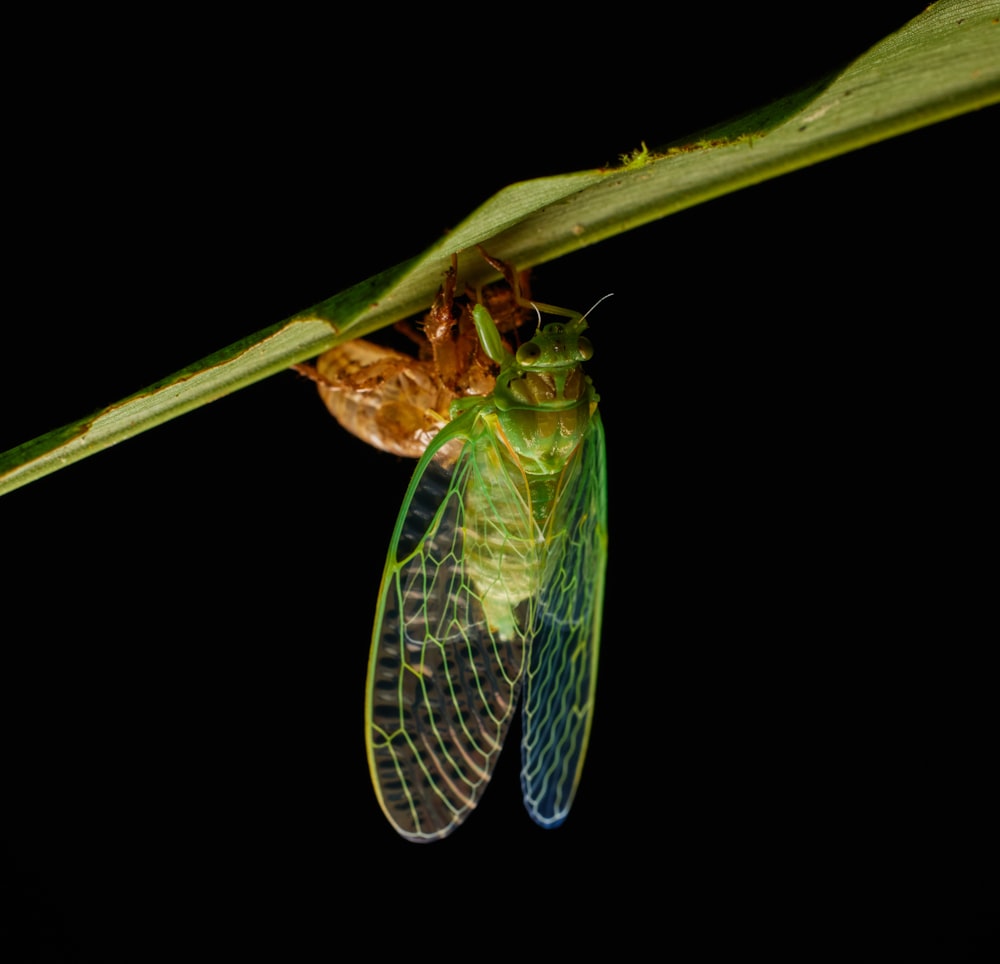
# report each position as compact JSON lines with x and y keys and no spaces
{"x":443,"y":679}
{"x":562,"y":666}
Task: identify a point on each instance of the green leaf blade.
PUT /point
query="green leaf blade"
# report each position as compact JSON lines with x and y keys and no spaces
{"x":943,"y":63}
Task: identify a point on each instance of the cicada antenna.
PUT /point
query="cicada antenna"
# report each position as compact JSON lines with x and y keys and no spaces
{"x":610,"y":294}
{"x":574,"y":316}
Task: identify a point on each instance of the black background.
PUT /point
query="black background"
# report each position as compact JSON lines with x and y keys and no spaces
{"x":795,"y":719}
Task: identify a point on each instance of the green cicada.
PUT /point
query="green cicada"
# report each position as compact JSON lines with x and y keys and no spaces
{"x":492,"y":593}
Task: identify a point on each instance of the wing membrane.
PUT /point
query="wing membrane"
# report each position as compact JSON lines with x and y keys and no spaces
{"x":450,"y":631}
{"x":562,"y":669}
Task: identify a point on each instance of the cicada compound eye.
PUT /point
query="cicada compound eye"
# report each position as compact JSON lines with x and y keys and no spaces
{"x":528,"y":354}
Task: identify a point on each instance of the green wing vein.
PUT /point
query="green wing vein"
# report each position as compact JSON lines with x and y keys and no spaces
{"x":562,"y":668}
{"x":445,"y":672}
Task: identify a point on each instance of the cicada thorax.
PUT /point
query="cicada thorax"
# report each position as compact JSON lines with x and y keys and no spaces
{"x":398,"y":402}
{"x":539,"y":414}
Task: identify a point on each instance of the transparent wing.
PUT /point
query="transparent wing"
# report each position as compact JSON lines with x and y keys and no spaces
{"x":450,"y":630}
{"x":562,"y":670}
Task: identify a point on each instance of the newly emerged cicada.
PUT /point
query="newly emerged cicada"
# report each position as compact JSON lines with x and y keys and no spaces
{"x":492,"y":591}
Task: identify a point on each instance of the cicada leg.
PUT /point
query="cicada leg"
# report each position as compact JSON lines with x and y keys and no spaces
{"x":509,"y":304}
